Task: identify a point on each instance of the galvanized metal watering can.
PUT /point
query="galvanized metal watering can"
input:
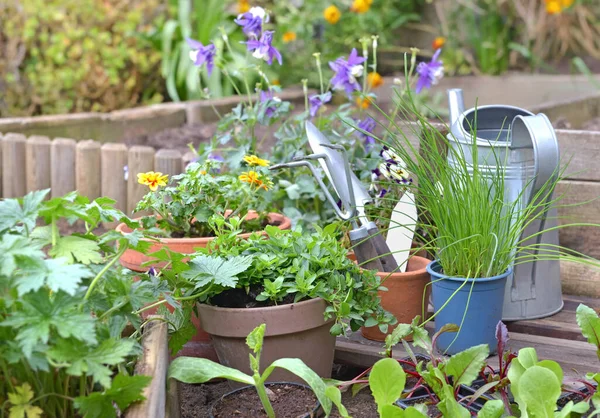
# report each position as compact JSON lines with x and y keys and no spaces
{"x":524,"y":145}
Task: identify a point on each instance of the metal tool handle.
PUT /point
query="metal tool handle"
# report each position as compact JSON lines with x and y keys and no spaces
{"x":388,"y":262}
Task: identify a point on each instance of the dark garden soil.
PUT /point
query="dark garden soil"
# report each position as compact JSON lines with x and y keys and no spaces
{"x":288,"y":401}
{"x":361,"y":405}
{"x":242,"y":298}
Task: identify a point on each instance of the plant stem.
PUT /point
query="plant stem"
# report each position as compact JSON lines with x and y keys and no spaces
{"x":103,"y":271}
{"x":262,"y":394}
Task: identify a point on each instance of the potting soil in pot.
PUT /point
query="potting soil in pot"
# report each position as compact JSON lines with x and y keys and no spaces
{"x":288,"y":401}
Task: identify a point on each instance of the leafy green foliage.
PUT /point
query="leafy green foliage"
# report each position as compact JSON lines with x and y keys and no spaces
{"x":465,"y":366}
{"x":54,"y":40}
{"x":589,"y":322}
{"x":254,"y":340}
{"x":216,"y":270}
{"x":386,"y":381}
{"x":64,"y":304}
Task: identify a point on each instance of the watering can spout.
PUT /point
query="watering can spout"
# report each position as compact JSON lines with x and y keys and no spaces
{"x":456,"y":105}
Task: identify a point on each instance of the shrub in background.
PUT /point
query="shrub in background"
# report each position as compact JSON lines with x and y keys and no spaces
{"x":77,"y":55}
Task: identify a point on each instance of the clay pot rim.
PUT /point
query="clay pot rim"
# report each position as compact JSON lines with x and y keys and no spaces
{"x":407,"y":275}
{"x":286,"y":307}
{"x":233,"y":392}
{"x":286,"y":223}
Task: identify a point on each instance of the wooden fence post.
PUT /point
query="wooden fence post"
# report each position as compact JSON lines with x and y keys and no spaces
{"x":88,"y":174}
{"x":113,"y":163}
{"x":38,"y":166}
{"x":141,"y":160}
{"x":14,"y":182}
{"x":63,"y":166}
{"x":168,"y":161}
{"x":1,"y":165}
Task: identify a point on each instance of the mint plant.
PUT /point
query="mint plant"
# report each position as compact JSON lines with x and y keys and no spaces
{"x":200,"y":370}
{"x":64,"y":307}
{"x":281,"y":267}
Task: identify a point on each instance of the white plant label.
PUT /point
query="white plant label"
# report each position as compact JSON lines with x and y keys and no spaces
{"x":402,"y":229}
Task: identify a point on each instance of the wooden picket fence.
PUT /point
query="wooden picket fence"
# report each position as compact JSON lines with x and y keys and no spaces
{"x":90,"y":167}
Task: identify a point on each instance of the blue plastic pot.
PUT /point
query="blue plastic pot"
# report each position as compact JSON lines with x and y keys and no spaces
{"x":484,"y":308}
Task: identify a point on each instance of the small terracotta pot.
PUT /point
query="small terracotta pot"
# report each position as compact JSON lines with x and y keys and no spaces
{"x":296,"y":330}
{"x":133,"y":260}
{"x":404,"y":297}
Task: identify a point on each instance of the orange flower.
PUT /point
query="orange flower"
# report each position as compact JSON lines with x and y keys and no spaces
{"x":374,"y":79}
{"x":243,"y":6}
{"x":332,"y":14}
{"x":553,"y":7}
{"x":153,"y":179}
{"x":255,"y":179}
{"x":289,"y":37}
{"x":363,"y":103}
{"x":361,"y":6}
{"x":438,"y":42}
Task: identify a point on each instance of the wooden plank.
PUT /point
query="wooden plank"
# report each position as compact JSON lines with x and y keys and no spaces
{"x":113,"y":163}
{"x":38,"y":166}
{"x":168,"y":161}
{"x":88,"y":170}
{"x":154,"y":362}
{"x":579,"y":279}
{"x":14,"y":179}
{"x":581,"y":149}
{"x":583,"y":239}
{"x":63,"y":166}
{"x":140,"y":160}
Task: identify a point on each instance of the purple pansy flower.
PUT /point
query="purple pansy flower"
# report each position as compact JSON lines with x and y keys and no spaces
{"x":346,"y":72}
{"x":430,"y":73}
{"x":367,"y":125}
{"x":251,"y":21}
{"x":382,"y":193}
{"x":265,"y":96}
{"x":152,"y":272}
{"x":317,"y":100}
{"x":263,"y":49}
{"x":201,"y":54}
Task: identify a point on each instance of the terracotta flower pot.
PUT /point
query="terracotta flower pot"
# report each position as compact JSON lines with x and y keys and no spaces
{"x":134,"y":260}
{"x":200,"y":344}
{"x":404,"y":297}
{"x":296,"y":330}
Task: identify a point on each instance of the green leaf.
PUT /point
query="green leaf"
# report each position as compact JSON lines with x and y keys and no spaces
{"x":492,"y":409}
{"x":466,"y":365}
{"x":13,"y":214}
{"x":539,"y":390}
{"x":206,"y":269}
{"x":81,"y":359}
{"x":73,"y":248}
{"x":392,"y":411}
{"x":527,"y":357}
{"x":17,"y":252}
{"x":412,"y":412}
{"x":201,"y":370}
{"x":297,"y":367}
{"x":576,"y":408}
{"x":449,"y":406}
{"x":333,"y":393}
{"x":21,"y":403}
{"x":387,"y":380}
{"x":65,"y":277}
{"x":254,"y":340}
{"x":589,"y":322}
{"x":123,"y":391}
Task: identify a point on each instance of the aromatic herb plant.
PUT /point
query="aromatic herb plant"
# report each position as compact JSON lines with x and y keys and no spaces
{"x":64,"y":308}
{"x":184,"y":208}
{"x":199,"y":370}
{"x":281,"y":267}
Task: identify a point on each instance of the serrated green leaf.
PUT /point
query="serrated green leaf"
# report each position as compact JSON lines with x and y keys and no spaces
{"x":386,"y":380}
{"x":21,"y":403}
{"x":17,"y":252}
{"x":466,"y":365}
{"x":65,"y":277}
{"x":73,"y":248}
{"x":201,"y":370}
{"x":449,"y":406}
{"x":206,"y":269}
{"x":13,"y":214}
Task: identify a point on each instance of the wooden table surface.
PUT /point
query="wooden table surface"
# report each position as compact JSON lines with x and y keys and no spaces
{"x":555,"y":338}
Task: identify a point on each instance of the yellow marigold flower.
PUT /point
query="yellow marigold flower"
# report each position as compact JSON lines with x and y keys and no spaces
{"x":289,"y":37}
{"x":363,"y":103}
{"x":438,"y":42}
{"x":243,"y":6}
{"x":361,"y":6}
{"x":553,"y":7}
{"x":332,"y":14}
{"x":253,"y":160}
{"x":153,"y":179}
{"x":374,"y":79}
{"x":253,"y":178}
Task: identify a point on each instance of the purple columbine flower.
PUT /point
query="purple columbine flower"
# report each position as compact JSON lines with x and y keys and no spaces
{"x":316,"y":101}
{"x":346,"y":72}
{"x":265,"y":96}
{"x":251,"y":21}
{"x":430,"y":73}
{"x":152,"y":272}
{"x":201,"y":54}
{"x":367,"y":125}
{"x":263,"y":48}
